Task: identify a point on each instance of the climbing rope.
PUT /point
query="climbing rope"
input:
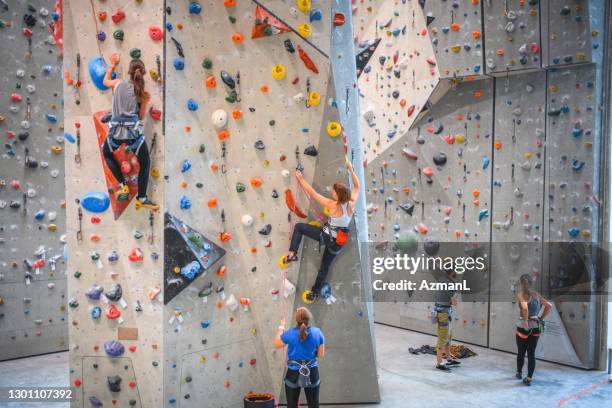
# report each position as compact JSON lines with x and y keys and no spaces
{"x":94,"y":15}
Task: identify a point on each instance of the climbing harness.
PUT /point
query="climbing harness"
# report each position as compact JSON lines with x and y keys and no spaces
{"x":303,"y":380}
{"x":131,"y":123}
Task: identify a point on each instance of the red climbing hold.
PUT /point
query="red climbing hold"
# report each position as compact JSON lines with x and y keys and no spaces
{"x":27,"y":32}
{"x":267,"y":25}
{"x":118,"y":16}
{"x":77,"y":383}
{"x":155,"y":113}
{"x":428,"y":171}
{"x":339,"y":19}
{"x":135,"y":255}
{"x":411,"y":110}
{"x":307,"y":61}
{"x":156,"y":33}
{"x":431,"y":62}
{"x":112,"y":312}
{"x":16,"y":98}
{"x":290,"y":201}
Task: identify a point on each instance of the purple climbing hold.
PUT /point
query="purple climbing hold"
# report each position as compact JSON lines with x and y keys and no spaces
{"x":95,"y":402}
{"x":114,"y":348}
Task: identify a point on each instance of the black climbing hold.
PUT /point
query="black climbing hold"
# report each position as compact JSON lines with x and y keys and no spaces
{"x":395,"y":94}
{"x":188,"y":379}
{"x":430,"y":20}
{"x":259,"y":145}
{"x":274,"y":194}
{"x":29,"y":20}
{"x":114,"y":383}
{"x":431,"y":247}
{"x":289,"y":46}
{"x":228,"y":80}
{"x":382,"y":59}
{"x":272,"y":122}
{"x":266,"y":229}
{"x":252,"y":110}
{"x":114,"y":293}
{"x":409,"y":208}
{"x":179,"y":47}
{"x":439,"y":159}
{"x":439,"y":129}
{"x":311,"y":151}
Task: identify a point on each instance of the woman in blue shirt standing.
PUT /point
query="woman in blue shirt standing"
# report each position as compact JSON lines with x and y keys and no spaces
{"x":306,"y":344}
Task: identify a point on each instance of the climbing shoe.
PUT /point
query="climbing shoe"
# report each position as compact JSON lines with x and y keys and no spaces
{"x":452,"y":362}
{"x":443,"y":367}
{"x":291,"y":258}
{"x":527,"y":381}
{"x":122,"y":193}
{"x":312,"y":296}
{"x":146,"y":203}
{"x":518,"y":375}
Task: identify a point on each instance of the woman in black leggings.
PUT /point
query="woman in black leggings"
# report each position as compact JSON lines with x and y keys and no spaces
{"x":305,"y":347}
{"x":129,"y":106}
{"x":528,"y":326}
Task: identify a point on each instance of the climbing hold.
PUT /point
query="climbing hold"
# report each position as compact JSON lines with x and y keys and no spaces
{"x":311,"y":151}
{"x":97,"y":70}
{"x":114,"y":348}
{"x":135,"y":53}
{"x":316,"y":15}
{"x":334,"y":129}
{"x":219,"y":118}
{"x":305,"y":30}
{"x":210,"y":82}
{"x":339,"y":19}
{"x":410,"y":154}
{"x":304,"y":5}
{"x":309,"y":63}
{"x":256,"y":182}
{"x":156,"y":33}
{"x":428,"y":171}
{"x":314,"y":98}
{"x":95,"y":202}
{"x":179,"y":63}
{"x":237,"y":38}
{"x":291,"y":205}
{"x":307,"y":297}
{"x":431,"y":247}
{"x":279,"y":72}
{"x":228,"y":80}
{"x":195,"y":8}
{"x":118,"y":16}
{"x":407,"y":242}
{"x":439,"y":159}
{"x":246,"y":220}
{"x":118,"y":35}
{"x":192,"y":105}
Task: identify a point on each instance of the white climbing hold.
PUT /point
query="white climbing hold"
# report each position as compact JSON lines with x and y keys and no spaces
{"x":31,"y":88}
{"x":299,"y":97}
{"x":219,"y":118}
{"x":25,"y":124}
{"x":286,"y":173}
{"x":529,"y":88}
{"x":14,"y":108}
{"x":44,"y":12}
{"x":20,"y":73}
{"x":54,"y":173}
{"x":31,"y":193}
{"x":52,"y":216}
{"x":44,"y":164}
{"x":231,"y":303}
{"x":247,"y":220}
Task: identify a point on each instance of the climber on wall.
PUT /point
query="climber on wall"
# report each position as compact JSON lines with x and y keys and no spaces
{"x":129,"y":106}
{"x":306,"y":345}
{"x":334,"y":233}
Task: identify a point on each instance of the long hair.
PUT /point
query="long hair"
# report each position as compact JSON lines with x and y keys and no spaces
{"x":303,"y":317}
{"x":525,"y":281}
{"x":136,"y":73}
{"x":343,"y":192}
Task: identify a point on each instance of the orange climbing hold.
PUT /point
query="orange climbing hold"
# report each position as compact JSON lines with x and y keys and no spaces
{"x":455,"y":26}
{"x":212,"y":203}
{"x":291,"y":205}
{"x":237,"y":114}
{"x":210,"y":82}
{"x":498,"y":145}
{"x":221,"y":271}
{"x":476,"y":35}
{"x":256,"y":182}
{"x":267,"y":25}
{"x":223,"y":134}
{"x":307,"y":61}
{"x":229,"y":3}
{"x":478,"y":94}
{"x":423,"y":229}
{"x":264,"y":88}
{"x":225,"y":237}
{"x":238,"y":38}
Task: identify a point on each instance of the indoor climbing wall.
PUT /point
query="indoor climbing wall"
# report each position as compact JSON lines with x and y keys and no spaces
{"x":536,"y":159}
{"x":512,"y":36}
{"x":518,"y":194}
{"x":435,"y":185}
{"x":114,"y":252}
{"x":566,"y":34}
{"x":32,"y":270}
{"x":455,"y":30}
{"x":396,"y":70}
{"x":248,"y":100}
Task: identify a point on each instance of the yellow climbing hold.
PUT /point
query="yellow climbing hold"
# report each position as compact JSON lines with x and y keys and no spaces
{"x":305,"y":297}
{"x":155,"y":172}
{"x":282,"y":262}
{"x":176,"y":269}
{"x":459,"y":138}
{"x":456,"y":49}
{"x":202,"y":359}
{"x":334,"y":129}
{"x":314,"y":98}
{"x":279,"y":72}
{"x":52,"y":227}
{"x":56,"y":149}
{"x":304,"y":5}
{"x":581,"y":56}
{"x":305,"y":30}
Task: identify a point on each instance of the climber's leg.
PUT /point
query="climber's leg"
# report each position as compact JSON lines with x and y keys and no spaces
{"x":144,"y":161}
{"x":112,"y":164}
{"x":326,"y":261}
{"x":300,"y":230}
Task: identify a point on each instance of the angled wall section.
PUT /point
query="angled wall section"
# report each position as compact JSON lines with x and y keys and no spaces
{"x":32,"y":208}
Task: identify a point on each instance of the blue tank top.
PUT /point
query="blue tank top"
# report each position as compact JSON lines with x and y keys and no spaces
{"x":533,"y":309}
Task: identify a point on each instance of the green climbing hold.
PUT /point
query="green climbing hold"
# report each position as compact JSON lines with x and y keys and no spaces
{"x":565,"y":10}
{"x":196,"y":240}
{"x":254,"y":269}
{"x":202,"y":148}
{"x":118,"y":35}
{"x":407,"y":242}
{"x":207,"y":63}
{"x":199,"y":185}
{"x":77,"y":274}
{"x":240,"y":187}
{"x":232,"y":97}
{"x":135,"y":53}
{"x":132,"y":402}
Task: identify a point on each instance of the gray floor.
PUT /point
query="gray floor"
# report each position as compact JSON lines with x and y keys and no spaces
{"x":406,"y":380}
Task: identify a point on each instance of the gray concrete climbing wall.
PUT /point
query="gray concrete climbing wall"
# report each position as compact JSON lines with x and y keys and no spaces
{"x":228,"y":169}
{"x":32,"y":270}
{"x":540,"y":147}
{"x":397,"y":72}
{"x":111,"y":334}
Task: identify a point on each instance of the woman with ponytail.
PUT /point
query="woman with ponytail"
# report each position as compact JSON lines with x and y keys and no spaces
{"x":130,"y":101}
{"x":306,"y":345}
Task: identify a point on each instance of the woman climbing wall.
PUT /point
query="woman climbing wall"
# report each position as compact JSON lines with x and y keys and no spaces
{"x":529,"y":326}
{"x":334,"y":233}
{"x":129,"y":106}
{"x":306,"y":345}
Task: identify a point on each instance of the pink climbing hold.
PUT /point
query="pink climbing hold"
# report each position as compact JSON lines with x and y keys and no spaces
{"x":431,"y":62}
{"x":409,"y":153}
{"x":15,"y":184}
{"x":118,"y":16}
{"x":534,"y":48}
{"x":411,"y":110}
{"x":428,"y":171}
{"x":156,"y":33}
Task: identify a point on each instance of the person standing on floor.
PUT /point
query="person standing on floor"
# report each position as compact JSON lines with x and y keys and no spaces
{"x":444,"y":302}
{"x":529,"y":326}
{"x":306,"y":345}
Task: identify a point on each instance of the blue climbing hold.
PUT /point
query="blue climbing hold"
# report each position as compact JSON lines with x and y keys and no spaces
{"x":316,"y":15}
{"x":477,"y":68}
{"x":101,"y":36}
{"x":185,"y":203}
{"x":573,"y":232}
{"x":195,"y":8}
{"x":396,"y":227}
{"x":179,"y":63}
{"x":95,"y":202}
{"x":69,"y":137}
{"x":97,"y":70}
{"x":483,"y":214}
{"x":577,"y":165}
{"x":577,"y":132}
{"x":169,"y":26}
{"x":205,"y":324}
{"x":485,"y":162}
{"x":96,"y":312}
{"x":191,"y":270}
{"x":391,"y":133}
{"x":192,"y":105}
{"x":186,"y":166}
{"x":40,"y":215}
{"x":51,"y":118}
{"x":47,"y":69}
